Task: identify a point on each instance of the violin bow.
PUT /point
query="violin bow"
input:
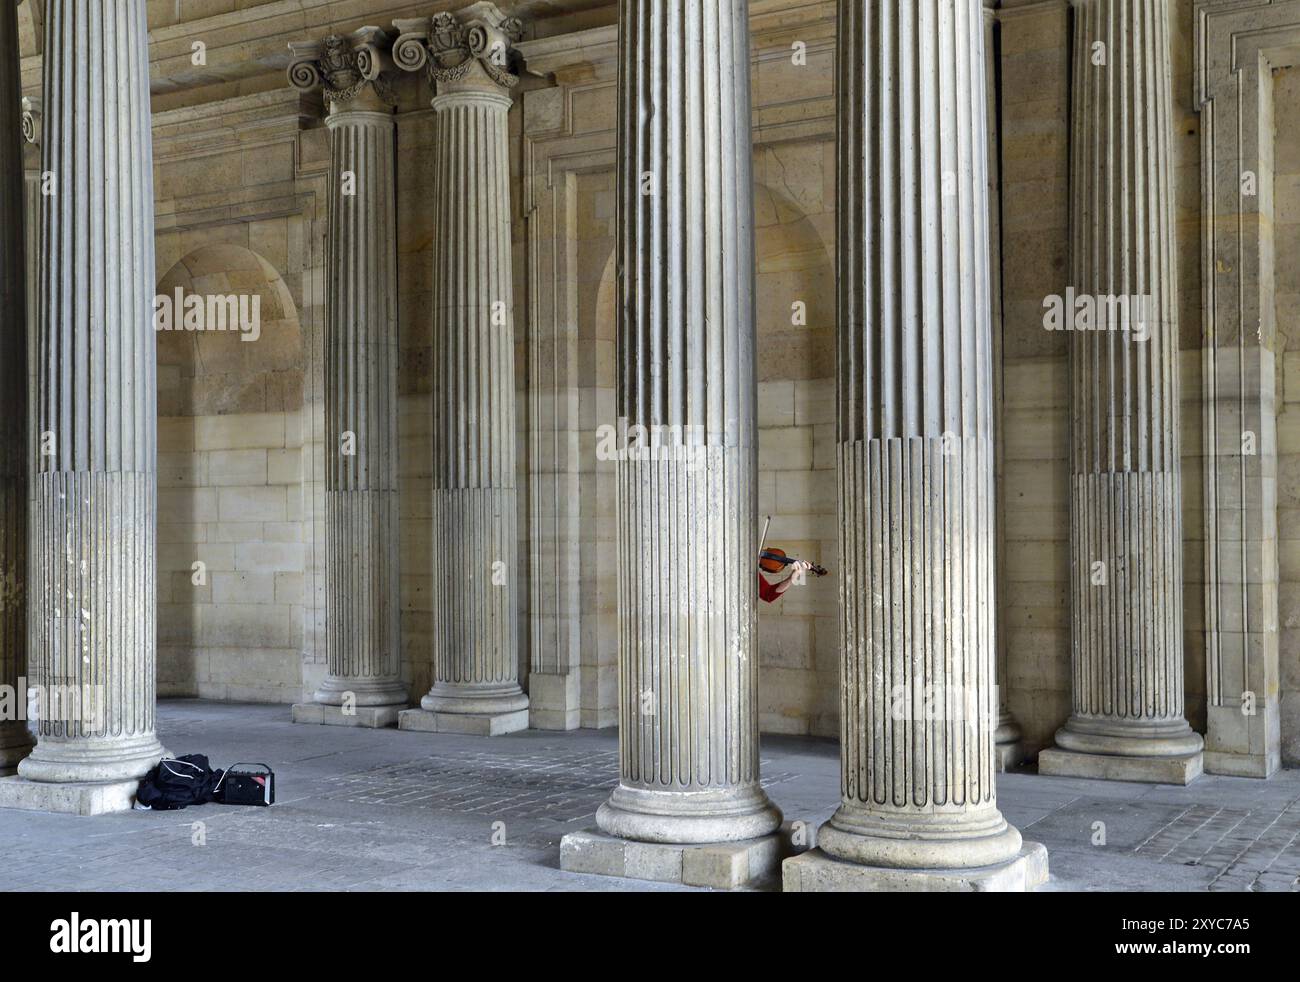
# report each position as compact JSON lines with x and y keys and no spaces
{"x":763,"y":544}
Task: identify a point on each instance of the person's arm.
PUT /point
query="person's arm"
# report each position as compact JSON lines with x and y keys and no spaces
{"x":772,"y":592}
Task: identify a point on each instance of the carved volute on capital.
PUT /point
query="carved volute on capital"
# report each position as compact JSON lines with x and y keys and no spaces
{"x":344,"y":66}
{"x":450,"y":45}
{"x":31,"y":120}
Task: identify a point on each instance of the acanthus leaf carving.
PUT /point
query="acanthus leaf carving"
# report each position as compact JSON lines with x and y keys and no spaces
{"x":342,"y":66}
{"x":447,"y":45}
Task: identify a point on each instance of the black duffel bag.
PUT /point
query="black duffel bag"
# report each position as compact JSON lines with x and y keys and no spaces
{"x":178,"y":783}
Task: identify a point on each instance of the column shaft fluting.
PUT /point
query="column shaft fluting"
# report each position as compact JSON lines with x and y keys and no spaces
{"x":93,"y":592}
{"x":467,"y":56}
{"x":362,"y":591}
{"x":476,"y":629}
{"x":15,"y":458}
{"x":362,"y":580}
{"x":687,"y":504}
{"x":363,"y":613}
{"x":1126,"y":523}
{"x":916,"y":457}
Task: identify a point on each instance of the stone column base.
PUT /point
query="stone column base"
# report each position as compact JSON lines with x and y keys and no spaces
{"x":371,"y":717}
{"x":68,"y":799}
{"x":1242,"y":765}
{"x":473,"y":724}
{"x":1008,"y":756}
{"x":553,"y":701}
{"x":16,"y":742}
{"x":816,"y":872}
{"x":1181,"y":770}
{"x":719,"y":865}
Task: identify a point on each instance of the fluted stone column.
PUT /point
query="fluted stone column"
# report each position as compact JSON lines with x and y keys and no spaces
{"x":916,"y":460}
{"x":1126,"y":523}
{"x":93,"y":590}
{"x":15,"y":461}
{"x":468,"y":57}
{"x":362,"y":595}
{"x":686,"y":477}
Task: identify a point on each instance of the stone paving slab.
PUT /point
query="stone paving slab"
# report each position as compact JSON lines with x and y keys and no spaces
{"x":379,"y":809}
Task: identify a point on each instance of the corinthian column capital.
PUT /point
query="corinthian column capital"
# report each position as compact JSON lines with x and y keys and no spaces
{"x":344,"y":67}
{"x":31,"y":119}
{"x":475,"y":41}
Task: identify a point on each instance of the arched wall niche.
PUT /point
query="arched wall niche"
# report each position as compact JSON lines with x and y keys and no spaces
{"x":795,"y":368}
{"x":230,"y":475}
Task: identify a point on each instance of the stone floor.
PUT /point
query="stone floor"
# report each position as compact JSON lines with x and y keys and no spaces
{"x":387,"y":810}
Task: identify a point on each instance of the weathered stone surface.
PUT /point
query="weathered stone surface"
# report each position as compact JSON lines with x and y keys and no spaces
{"x":1010,"y":750}
{"x":1033,"y":604}
{"x":210,"y":138}
{"x":94,"y":523}
{"x":915,"y":446}
{"x":467,"y":57}
{"x":1250,"y":218}
{"x":688,"y":722}
{"x":816,"y":872}
{"x":474,"y":724}
{"x":72,"y":798}
{"x":362,"y":611}
{"x":554,"y":698}
{"x":719,"y":865}
{"x":369,"y":717}
{"x":1126,"y":494}
{"x":1181,"y":770}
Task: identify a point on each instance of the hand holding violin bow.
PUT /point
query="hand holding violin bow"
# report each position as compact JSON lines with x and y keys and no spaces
{"x":776,"y":561}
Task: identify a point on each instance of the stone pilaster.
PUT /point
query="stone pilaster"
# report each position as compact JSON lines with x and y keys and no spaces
{"x":362,"y":609}
{"x":1126,"y":522}
{"x":93,"y":525}
{"x":1252,"y":713}
{"x":916,"y":459}
{"x":468,"y":57}
{"x":687,"y":529}
{"x":15,"y":462}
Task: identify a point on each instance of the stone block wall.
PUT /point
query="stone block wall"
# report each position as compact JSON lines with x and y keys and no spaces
{"x":415,"y":234}
{"x":598,"y":576}
{"x":794,"y":208}
{"x":236,"y":455}
{"x":1035,"y":131}
{"x":1286,"y":192}
{"x":231,"y":553}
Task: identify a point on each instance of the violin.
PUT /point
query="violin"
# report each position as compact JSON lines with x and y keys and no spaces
{"x":775,"y":560}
